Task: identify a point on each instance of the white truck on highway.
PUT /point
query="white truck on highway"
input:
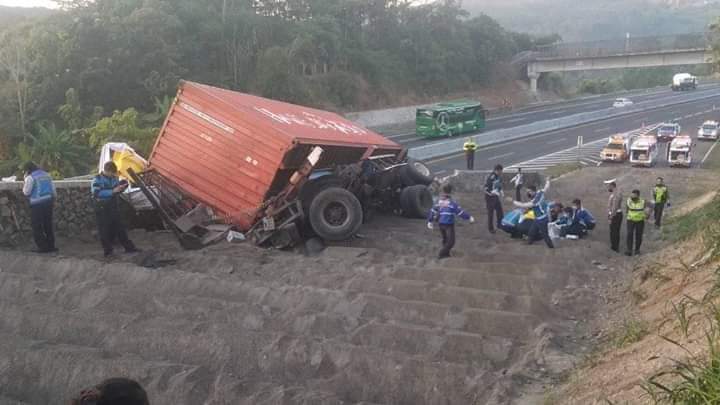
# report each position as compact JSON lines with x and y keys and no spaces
{"x":680,"y":153}
{"x":684,"y":81}
{"x":643,"y":151}
{"x":709,"y":131}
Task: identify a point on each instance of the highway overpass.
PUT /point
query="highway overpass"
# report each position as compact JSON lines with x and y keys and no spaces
{"x":687,"y":49}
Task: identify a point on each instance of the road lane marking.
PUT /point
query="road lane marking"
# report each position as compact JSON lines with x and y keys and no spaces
{"x":708,"y":153}
{"x":556,"y":132}
{"x":502,"y":156}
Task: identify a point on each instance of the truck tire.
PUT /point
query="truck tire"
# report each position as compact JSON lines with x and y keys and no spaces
{"x":416,"y":172}
{"x":313,"y":187}
{"x":335,"y":214}
{"x":416,"y":201}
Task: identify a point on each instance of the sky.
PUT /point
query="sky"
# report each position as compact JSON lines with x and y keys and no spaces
{"x":28,"y":3}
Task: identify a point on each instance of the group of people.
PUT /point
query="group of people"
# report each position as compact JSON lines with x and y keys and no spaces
{"x":636,"y":210}
{"x":105,"y":190}
{"x":539,"y":219}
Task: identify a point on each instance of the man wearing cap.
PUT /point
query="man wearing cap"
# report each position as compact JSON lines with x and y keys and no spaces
{"x":615,"y":214}
{"x":660,"y":198}
{"x":636,"y":208}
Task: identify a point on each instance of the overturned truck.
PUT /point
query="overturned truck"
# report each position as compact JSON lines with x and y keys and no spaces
{"x":276,"y":171}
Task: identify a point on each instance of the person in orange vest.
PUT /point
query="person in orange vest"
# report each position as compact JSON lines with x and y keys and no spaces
{"x":470,"y":147}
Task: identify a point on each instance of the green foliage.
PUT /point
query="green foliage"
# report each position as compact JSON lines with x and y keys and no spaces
{"x":695,"y":379}
{"x":598,"y":86}
{"x":122,"y":126}
{"x":683,"y":227}
{"x":632,"y":331}
{"x":53,"y":149}
{"x":127,"y":56}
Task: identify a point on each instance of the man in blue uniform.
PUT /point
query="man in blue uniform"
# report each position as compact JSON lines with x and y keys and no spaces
{"x":493,"y":198}
{"x":444,"y":212}
{"x":539,"y":206}
{"x":40,"y":190}
{"x":106,"y":188}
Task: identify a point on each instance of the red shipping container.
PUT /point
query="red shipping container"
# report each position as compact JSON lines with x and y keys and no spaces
{"x":232,"y":151}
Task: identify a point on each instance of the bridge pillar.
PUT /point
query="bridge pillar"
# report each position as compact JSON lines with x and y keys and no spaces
{"x":534,"y":81}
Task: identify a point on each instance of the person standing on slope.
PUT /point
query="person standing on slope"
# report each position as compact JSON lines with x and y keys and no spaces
{"x":493,"y":198}
{"x":106,"y":188}
{"x":615,"y":214}
{"x":660,"y":200}
{"x":40,"y":191}
{"x":636,"y":214}
{"x":444,"y":213}
{"x":518,"y":182}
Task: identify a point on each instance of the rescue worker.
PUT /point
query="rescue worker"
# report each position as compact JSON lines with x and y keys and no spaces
{"x":635,"y":222}
{"x":493,"y":198}
{"x":41,"y":193}
{"x":470,"y":147}
{"x":582,"y":220}
{"x":615,"y":214}
{"x":660,"y":199}
{"x":539,"y":228}
{"x":106,"y":187}
{"x":518,"y":181}
{"x":444,"y":212}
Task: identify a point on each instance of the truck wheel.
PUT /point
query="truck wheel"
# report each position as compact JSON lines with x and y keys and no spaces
{"x":416,"y":201}
{"x":416,"y":172}
{"x":335,"y":214}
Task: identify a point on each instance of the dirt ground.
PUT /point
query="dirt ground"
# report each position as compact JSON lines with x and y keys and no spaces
{"x":377,"y":320}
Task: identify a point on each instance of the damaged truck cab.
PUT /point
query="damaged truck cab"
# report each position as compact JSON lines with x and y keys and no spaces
{"x":274,"y":170}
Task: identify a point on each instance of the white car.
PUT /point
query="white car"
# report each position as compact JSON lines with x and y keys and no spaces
{"x":622,"y":102}
{"x":709,"y":130}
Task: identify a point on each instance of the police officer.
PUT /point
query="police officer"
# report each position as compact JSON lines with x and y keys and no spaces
{"x":493,"y":198}
{"x":106,"y":187}
{"x":40,"y":190}
{"x":470,"y":147}
{"x":635,"y":222}
{"x":660,"y":199}
{"x":615,"y":214}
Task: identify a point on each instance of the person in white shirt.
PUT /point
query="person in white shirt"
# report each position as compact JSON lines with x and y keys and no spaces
{"x":518,"y":182}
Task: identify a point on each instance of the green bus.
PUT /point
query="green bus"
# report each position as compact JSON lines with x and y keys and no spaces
{"x":448,"y":119}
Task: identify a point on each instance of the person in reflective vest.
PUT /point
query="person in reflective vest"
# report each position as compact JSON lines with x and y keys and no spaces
{"x":40,"y":191}
{"x":635,"y":207}
{"x":444,"y":213}
{"x":470,"y":147}
{"x":106,"y":187}
{"x":660,"y":200}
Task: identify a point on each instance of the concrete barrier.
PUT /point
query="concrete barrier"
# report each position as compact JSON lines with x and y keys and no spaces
{"x":453,"y":146}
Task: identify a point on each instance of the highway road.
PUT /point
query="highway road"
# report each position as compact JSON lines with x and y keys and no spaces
{"x":689,"y":115}
{"x":407,"y":137}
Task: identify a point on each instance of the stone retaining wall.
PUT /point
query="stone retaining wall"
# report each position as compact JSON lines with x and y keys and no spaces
{"x":74,"y":212}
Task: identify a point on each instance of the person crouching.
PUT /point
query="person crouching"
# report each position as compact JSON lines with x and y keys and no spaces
{"x":106,"y":187}
{"x":444,"y":212}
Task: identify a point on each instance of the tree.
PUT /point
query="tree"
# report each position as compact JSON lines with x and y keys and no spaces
{"x":122,"y":126}
{"x":15,"y":61}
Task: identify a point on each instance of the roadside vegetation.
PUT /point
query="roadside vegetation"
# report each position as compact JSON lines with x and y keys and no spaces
{"x":106,"y":70}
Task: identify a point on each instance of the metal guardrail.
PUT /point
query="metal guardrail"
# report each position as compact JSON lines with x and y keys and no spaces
{"x":624,"y":46}
{"x":454,"y":146}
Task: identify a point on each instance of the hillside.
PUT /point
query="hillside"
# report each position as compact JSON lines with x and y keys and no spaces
{"x":11,"y":15}
{"x":603,"y":19}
